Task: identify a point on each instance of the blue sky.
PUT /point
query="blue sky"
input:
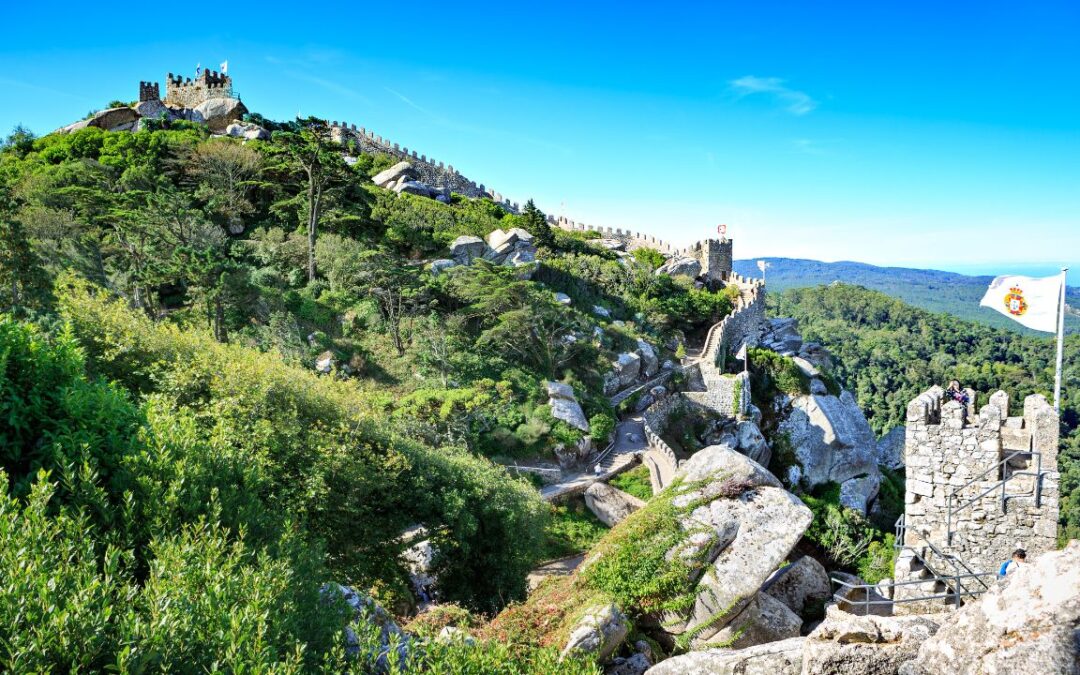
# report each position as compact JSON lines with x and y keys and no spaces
{"x":927,"y":134}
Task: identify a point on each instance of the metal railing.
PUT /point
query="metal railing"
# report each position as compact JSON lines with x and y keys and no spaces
{"x":952,"y":508}
{"x":607,"y":451}
{"x":867,"y":589}
{"x":961,"y":570}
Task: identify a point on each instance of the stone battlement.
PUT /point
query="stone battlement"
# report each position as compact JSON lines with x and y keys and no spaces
{"x":981,"y":485}
{"x":187,"y":92}
{"x":149,"y":91}
{"x":431,"y":171}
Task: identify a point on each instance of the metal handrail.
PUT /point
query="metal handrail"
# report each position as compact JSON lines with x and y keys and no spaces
{"x":952,"y":496}
{"x":954,"y":560}
{"x":607,"y":451}
{"x":956,"y":597}
{"x":957,"y":563}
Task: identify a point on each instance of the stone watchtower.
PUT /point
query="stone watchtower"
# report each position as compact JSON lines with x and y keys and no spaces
{"x":978,"y":487}
{"x":183,"y":92}
{"x":715,"y":258}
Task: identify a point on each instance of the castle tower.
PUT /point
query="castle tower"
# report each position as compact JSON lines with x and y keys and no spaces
{"x":149,"y":91}
{"x":187,"y":93}
{"x":978,"y":487}
{"x":715,"y":258}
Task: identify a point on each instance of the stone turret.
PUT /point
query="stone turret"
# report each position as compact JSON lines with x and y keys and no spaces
{"x":715,"y":258}
{"x":980,"y":486}
{"x":149,"y":91}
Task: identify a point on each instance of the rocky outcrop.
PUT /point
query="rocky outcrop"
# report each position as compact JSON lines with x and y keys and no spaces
{"x":1027,"y":623}
{"x":598,"y":632}
{"x":890,"y":449}
{"x":611,"y":505}
{"x":249,"y":132}
{"x":867,"y":645}
{"x":513,"y":247}
{"x":439,"y":266}
{"x":802,"y":583}
{"x":764,"y":619}
{"x":218,"y":113}
{"x":833,"y":442}
{"x":627,"y":367}
{"x":782,"y":336}
{"x":842,"y":644}
{"x":393,"y":644}
{"x":114,"y":119}
{"x":649,"y":363}
{"x":751,"y":442}
{"x":395,"y":173}
{"x":565,"y":406}
{"x":744,"y":526}
{"x":775,"y":658}
{"x":680,"y":267}
{"x":467,"y":248}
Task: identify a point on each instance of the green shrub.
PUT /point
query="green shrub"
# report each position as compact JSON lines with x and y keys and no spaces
{"x":573,"y":528}
{"x":601,"y":426}
{"x":636,"y":481}
{"x":879,"y":560}
{"x":844,"y":534}
{"x":775,"y":373}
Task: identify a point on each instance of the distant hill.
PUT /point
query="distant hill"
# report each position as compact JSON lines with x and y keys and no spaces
{"x":934,"y":290}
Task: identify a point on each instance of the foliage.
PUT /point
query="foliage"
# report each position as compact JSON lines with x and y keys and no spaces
{"x":843,"y":534}
{"x":879,"y":561}
{"x":636,"y":482}
{"x":601,"y":426}
{"x":649,"y":256}
{"x":572,"y":529}
{"x":775,"y":373}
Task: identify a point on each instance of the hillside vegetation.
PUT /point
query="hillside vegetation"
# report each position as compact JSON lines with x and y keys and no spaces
{"x":179,"y":482}
{"x":887,"y":352}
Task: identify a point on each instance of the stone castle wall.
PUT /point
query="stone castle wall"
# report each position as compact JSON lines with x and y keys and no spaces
{"x":430,"y":171}
{"x":187,"y":93}
{"x":948,"y":446}
{"x":744,"y":324}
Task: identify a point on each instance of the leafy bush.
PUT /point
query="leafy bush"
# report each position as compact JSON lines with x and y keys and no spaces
{"x":775,"y":373}
{"x":636,"y":482}
{"x":601,"y":426}
{"x":572,"y":529}
{"x":844,"y":534}
{"x":879,"y":560}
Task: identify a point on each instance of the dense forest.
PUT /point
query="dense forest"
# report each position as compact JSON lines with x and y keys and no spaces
{"x":933,"y":290}
{"x":179,"y":482}
{"x":887,"y":352}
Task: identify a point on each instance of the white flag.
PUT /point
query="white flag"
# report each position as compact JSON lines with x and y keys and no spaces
{"x":741,"y":354}
{"x":224,"y":67}
{"x":1029,"y":301}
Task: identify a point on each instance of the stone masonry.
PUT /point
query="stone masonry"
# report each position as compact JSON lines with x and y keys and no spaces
{"x":187,"y":93}
{"x":953,"y":456}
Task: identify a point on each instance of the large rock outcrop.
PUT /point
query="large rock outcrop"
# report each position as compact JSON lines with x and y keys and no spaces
{"x":800,"y":584}
{"x":775,"y":658}
{"x":564,"y":405}
{"x":218,"y":113}
{"x":833,"y":442}
{"x":611,"y":505}
{"x":744,"y":525}
{"x":864,"y":645}
{"x":1027,"y":623}
{"x":599,"y":632}
{"x":680,"y":267}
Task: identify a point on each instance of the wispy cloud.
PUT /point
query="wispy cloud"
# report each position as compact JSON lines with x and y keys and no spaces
{"x":329,"y":85}
{"x":794,"y":101}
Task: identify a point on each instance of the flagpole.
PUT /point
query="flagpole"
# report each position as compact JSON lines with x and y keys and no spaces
{"x":1060,"y":343}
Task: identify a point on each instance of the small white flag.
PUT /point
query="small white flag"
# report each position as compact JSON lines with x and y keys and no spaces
{"x":224,"y":67}
{"x":1028,"y":301}
{"x":741,"y":354}
{"x":198,"y":68}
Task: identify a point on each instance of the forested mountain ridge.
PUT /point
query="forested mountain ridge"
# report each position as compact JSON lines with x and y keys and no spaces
{"x":933,"y":290}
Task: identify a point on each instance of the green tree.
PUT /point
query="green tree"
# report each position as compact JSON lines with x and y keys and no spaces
{"x":311,"y":152}
{"x":535,"y":222}
{"x":394,"y":285}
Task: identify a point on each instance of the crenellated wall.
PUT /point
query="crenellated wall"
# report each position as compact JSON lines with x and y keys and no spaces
{"x":187,"y":93}
{"x":429,"y":170}
{"x":955,"y":457}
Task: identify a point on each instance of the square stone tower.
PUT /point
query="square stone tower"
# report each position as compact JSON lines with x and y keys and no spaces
{"x":183,"y":92}
{"x":980,"y":486}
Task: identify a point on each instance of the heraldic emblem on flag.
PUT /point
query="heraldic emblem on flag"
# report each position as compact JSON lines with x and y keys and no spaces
{"x":1015,"y":302}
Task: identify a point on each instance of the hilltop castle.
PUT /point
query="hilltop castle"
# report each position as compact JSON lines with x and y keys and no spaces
{"x":184,"y":92}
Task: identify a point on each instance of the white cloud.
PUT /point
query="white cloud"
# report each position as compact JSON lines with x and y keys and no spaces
{"x":794,"y":101}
